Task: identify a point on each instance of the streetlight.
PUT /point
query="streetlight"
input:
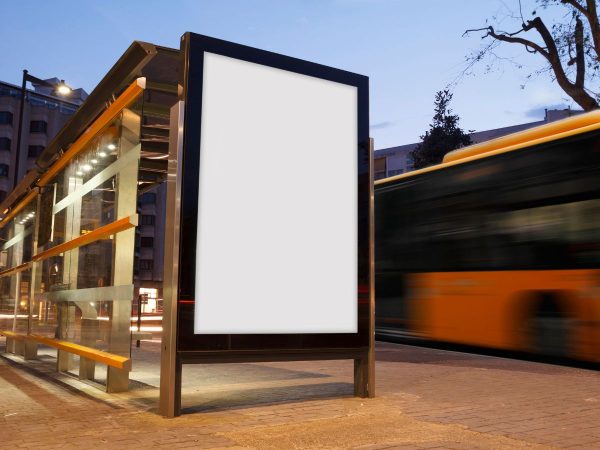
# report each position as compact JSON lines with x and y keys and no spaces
{"x":60,"y":88}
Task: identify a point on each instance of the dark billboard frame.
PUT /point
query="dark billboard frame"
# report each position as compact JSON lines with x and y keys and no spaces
{"x":180,"y":344}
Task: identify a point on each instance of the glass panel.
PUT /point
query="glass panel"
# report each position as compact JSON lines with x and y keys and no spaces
{"x":16,"y":245}
{"x":16,"y":238}
{"x":83,"y":295}
{"x":75,"y":294}
{"x":83,"y":195}
{"x":14,"y":296}
{"x":59,"y":311}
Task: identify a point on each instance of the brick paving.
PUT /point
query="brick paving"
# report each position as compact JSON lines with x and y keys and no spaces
{"x":426,"y":398}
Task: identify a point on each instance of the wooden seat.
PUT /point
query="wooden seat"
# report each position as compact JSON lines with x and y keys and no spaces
{"x":116,"y":361}
{"x":13,"y":335}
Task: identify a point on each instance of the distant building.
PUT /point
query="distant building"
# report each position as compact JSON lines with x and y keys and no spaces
{"x":43,"y":117}
{"x":393,"y":161}
{"x":149,"y":248}
{"x":396,"y":160}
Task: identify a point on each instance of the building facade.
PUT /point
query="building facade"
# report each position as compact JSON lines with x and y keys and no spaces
{"x":149,"y":250}
{"x":43,"y":117}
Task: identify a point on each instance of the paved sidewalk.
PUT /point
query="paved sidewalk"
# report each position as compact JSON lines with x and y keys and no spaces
{"x":426,"y":398}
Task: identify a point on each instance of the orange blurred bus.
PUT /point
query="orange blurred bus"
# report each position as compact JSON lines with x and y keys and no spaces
{"x":497,"y":246}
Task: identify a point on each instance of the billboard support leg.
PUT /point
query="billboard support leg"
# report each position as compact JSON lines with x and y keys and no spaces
{"x":170,"y":362}
{"x":364,"y":368}
{"x":364,"y":376}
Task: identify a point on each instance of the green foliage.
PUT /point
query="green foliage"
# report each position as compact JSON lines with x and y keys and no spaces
{"x":444,"y":134}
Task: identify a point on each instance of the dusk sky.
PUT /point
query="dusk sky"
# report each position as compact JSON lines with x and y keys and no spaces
{"x":408,"y":49}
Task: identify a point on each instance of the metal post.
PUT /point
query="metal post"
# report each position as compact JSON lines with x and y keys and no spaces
{"x":66,"y":360}
{"x":139,"y":319}
{"x":170,"y":364}
{"x":364,"y":368}
{"x":31,"y":347}
{"x":15,"y":283}
{"x":124,"y":249}
{"x":20,"y":132}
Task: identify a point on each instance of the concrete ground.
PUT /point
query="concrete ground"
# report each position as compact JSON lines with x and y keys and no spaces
{"x":426,"y":398}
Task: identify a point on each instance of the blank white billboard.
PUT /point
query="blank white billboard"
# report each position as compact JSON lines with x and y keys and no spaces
{"x":277,"y":207}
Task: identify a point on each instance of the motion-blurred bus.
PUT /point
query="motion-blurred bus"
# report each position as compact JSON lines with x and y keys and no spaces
{"x":498,"y":246}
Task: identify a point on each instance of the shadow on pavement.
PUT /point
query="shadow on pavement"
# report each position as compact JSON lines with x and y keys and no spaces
{"x":247,"y":398}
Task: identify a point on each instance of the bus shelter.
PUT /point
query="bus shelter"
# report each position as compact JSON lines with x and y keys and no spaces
{"x":258,"y":265}
{"x":68,"y":236}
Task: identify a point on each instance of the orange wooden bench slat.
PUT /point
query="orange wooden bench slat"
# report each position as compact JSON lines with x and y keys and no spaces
{"x":120,"y":362}
{"x":13,"y":335}
{"x":117,"y":361}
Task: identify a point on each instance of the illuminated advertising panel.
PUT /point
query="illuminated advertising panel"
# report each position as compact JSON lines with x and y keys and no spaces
{"x":276,"y":247}
{"x":274,"y":236}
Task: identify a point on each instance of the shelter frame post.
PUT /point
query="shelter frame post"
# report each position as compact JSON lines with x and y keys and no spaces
{"x":170,"y":363}
{"x":364,"y":368}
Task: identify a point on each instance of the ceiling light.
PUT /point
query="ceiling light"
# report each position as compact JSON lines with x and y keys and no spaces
{"x":111,"y":146}
{"x":86,"y":167}
{"x":102,"y":154}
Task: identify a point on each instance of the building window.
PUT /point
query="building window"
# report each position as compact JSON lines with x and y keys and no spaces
{"x":4,"y":143}
{"x":380,"y":165}
{"x":146,"y":264}
{"x":38,"y":126}
{"x":150,"y":302}
{"x":149,"y":198}
{"x":147,"y":219}
{"x":3,"y":170}
{"x":410,"y":162}
{"x":34,"y":151}
{"x":6,"y":118}
{"x":146,"y":241}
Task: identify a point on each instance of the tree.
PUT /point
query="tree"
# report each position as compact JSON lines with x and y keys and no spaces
{"x":443,"y":135}
{"x":570,"y":49}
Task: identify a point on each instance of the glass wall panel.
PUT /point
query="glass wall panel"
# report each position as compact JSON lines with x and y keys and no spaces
{"x":67,"y":255}
{"x":82,"y":197}
{"x":16,"y":245}
{"x":84,"y":294}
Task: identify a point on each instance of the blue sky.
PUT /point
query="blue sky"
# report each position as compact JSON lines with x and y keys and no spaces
{"x":409,"y":49}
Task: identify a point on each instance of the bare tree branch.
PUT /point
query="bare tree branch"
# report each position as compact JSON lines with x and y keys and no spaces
{"x":530,"y":46}
{"x":592,"y":17}
{"x":556,"y":48}
{"x":575,"y":4}
{"x":579,"y":54}
{"x":576,"y":92}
